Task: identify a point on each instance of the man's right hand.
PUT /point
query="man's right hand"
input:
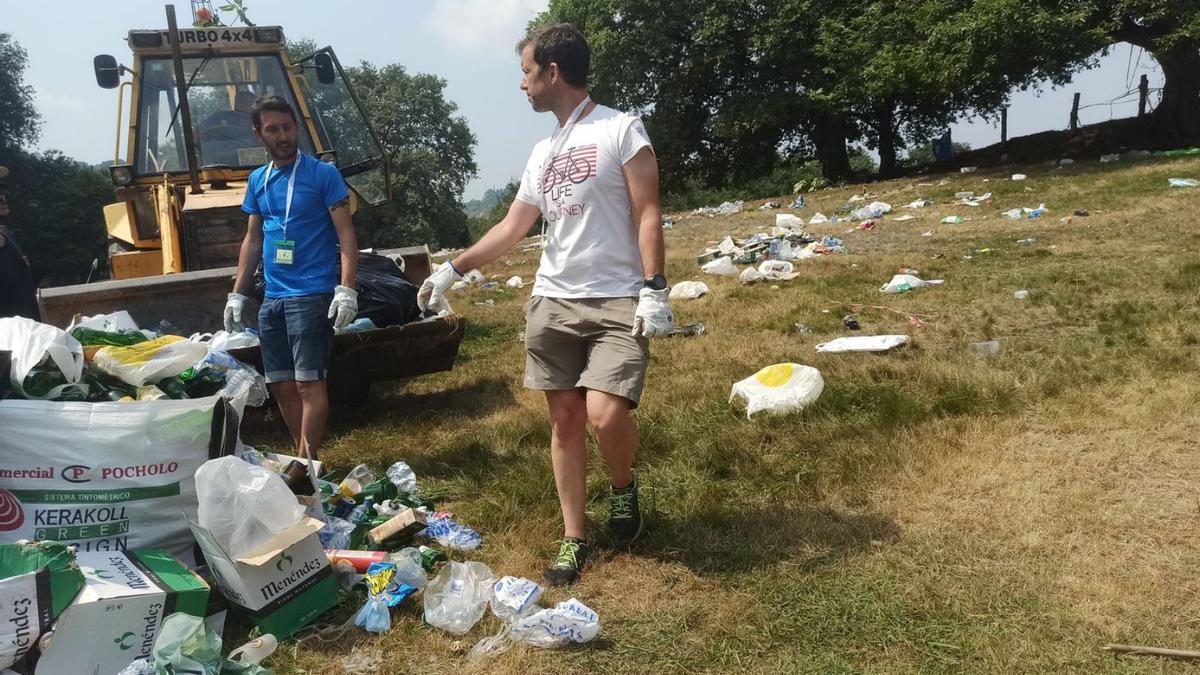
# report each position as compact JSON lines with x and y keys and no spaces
{"x":233,"y":313}
{"x":432,"y":296}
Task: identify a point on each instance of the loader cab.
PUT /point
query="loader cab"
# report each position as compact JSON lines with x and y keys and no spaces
{"x":161,"y":226}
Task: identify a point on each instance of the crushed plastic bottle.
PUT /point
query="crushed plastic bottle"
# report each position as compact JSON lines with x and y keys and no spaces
{"x":403,"y":477}
{"x":453,"y":535}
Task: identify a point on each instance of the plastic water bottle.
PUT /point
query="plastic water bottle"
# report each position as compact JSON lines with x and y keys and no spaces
{"x":361,"y":518}
{"x":353,"y":483}
{"x":363,"y":512}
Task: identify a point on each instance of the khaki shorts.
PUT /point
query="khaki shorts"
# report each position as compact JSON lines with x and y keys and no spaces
{"x":584,"y":343}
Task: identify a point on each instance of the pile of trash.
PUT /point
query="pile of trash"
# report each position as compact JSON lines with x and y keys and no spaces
{"x":279,"y":542}
{"x":769,"y":254}
{"x":108,"y":358}
{"x":725,"y":209}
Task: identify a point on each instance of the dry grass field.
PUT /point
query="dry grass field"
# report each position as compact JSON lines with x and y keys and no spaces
{"x":933,"y":512}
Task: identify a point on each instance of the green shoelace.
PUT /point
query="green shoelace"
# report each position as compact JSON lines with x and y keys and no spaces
{"x":567,"y":553}
{"x":622,"y":504}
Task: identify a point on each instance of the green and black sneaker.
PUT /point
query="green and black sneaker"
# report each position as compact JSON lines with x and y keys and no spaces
{"x":572,"y":556}
{"x":625,"y":521}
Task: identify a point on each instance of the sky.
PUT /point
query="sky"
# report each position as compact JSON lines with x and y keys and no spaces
{"x":468,"y":43}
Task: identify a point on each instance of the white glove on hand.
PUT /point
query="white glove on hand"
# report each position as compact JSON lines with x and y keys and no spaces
{"x":344,"y":307}
{"x":653,"y":316}
{"x":233,"y":313}
{"x":433,"y":291}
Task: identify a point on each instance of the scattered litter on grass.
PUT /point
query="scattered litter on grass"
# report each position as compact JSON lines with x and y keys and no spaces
{"x":1184,"y":182}
{"x":722,"y":266}
{"x":725,"y":209}
{"x":688,"y":290}
{"x":779,"y":389}
{"x":864,"y":343}
{"x":903,"y":283}
{"x":788,"y":220}
{"x":989,"y":348}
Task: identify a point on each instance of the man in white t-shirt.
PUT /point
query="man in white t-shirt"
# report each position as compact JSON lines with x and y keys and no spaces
{"x":600,"y":292}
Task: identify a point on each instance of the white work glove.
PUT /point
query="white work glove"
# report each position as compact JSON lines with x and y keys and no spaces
{"x":653,"y":316}
{"x":433,"y":291}
{"x":233,"y":313}
{"x":344,"y":307}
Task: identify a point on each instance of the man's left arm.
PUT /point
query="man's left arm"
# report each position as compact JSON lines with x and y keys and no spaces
{"x":653,"y":315}
{"x":343,"y":223}
{"x":641,"y":176}
{"x":344,"y":307}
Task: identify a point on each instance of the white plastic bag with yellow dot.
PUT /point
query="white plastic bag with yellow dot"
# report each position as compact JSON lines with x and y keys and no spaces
{"x":779,"y":389}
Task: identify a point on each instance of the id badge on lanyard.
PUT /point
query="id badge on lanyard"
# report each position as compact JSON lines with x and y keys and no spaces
{"x":285,"y":248}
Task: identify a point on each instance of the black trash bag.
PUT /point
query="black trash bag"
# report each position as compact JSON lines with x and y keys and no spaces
{"x":384,"y":295}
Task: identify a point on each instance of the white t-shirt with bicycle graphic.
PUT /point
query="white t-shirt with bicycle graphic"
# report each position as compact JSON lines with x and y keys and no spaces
{"x":592,"y":245}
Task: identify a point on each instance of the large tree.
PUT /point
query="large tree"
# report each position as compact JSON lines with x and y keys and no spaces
{"x":432,"y":154}
{"x":430,"y":148}
{"x":57,"y":214}
{"x":19,"y":121}
{"x":1170,"y":31}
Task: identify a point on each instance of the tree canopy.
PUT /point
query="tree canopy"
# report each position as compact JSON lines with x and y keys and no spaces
{"x":19,"y":121}
{"x":729,"y":88}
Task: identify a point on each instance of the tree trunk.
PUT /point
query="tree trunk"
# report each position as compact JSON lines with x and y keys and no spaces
{"x":885,"y":122}
{"x":1176,"y":121}
{"x":830,"y":138}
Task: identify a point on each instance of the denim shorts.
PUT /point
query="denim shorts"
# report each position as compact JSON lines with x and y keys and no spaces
{"x":296,"y":338}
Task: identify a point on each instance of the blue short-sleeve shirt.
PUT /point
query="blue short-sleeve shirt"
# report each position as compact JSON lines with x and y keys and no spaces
{"x":315,"y":253}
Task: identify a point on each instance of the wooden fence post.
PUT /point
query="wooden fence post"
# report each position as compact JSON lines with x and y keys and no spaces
{"x":1143,"y":95}
{"x":1075,"y":113}
{"x":1004,"y":125}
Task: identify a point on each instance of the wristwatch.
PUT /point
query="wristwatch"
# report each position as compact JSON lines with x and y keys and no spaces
{"x":656,"y":283}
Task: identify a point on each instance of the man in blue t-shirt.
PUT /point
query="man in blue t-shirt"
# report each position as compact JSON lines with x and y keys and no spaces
{"x":299,"y":219}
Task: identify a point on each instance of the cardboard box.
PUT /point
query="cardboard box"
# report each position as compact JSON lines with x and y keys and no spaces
{"x":281,"y":587}
{"x":116,"y":617}
{"x":404,"y":524}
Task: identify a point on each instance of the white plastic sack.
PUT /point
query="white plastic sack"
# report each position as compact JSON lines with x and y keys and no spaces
{"x":31,"y":341}
{"x":515,"y":282}
{"x":457,"y":598}
{"x":784,"y":250}
{"x":688,"y":290}
{"x":106,"y":476}
{"x":779,"y":389}
{"x":151,"y":361}
{"x":775,"y":267}
{"x":818,"y":219}
{"x":243,"y":505}
{"x":566,"y":622}
{"x":902,"y":283}
{"x":863,"y":343}
{"x":872,"y":210}
{"x":112,"y":323}
{"x":223,"y":341}
{"x":788,"y":220}
{"x":722,"y":266}
{"x":751,"y":275}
